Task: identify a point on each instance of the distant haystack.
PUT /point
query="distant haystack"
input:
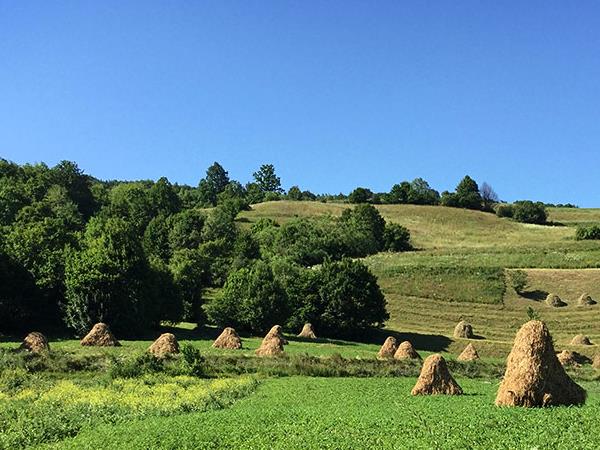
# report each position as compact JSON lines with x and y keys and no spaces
{"x":270,"y":346}
{"x":468,"y":354}
{"x":388,"y":348}
{"x":568,"y":358}
{"x":534,"y":376}
{"x":308,"y":332}
{"x":585,"y":300}
{"x":581,"y":339}
{"x":100,"y":336}
{"x":35,"y":342}
{"x":435,"y":378}
{"x":276,"y":330}
{"x":166,"y":344}
{"x":463,"y":330}
{"x":228,"y":339}
{"x":406,"y":351}
{"x":554,"y":301}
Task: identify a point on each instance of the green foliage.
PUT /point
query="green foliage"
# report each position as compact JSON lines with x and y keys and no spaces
{"x":504,"y":210}
{"x":532,"y":314}
{"x":144,"y":364}
{"x":360,"y":195}
{"x":294,"y":193}
{"x":587,"y":232}
{"x":420,"y":193}
{"x":17,"y":296}
{"x":518,"y":280}
{"x":193,"y":361}
{"x":267,"y":180}
{"x":527,"y":211}
{"x":213,"y":184}
{"x":190,"y":271}
{"x":251,"y":299}
{"x":366,"y":226}
{"x":396,"y":238}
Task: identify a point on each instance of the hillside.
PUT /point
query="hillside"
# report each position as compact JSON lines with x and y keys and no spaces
{"x":459,"y":265}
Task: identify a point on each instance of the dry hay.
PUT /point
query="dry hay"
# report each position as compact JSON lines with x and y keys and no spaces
{"x":308,"y":332}
{"x":568,"y":358}
{"x":586,"y":300}
{"x":101,"y":336}
{"x":166,"y":344}
{"x":276,"y":330}
{"x":554,"y":301}
{"x":596,"y":362}
{"x":581,"y":339}
{"x":228,"y":339}
{"x":388,"y":348}
{"x":270,"y":346}
{"x":406,"y":351}
{"x":35,"y":342}
{"x":534,"y":376}
{"x":435,"y":378}
{"x":468,"y":354}
{"x":463,"y":330}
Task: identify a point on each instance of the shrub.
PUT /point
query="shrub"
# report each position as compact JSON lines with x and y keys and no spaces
{"x":396,"y":238}
{"x":585,"y":232}
{"x":518,"y":280}
{"x":193,"y":360}
{"x":527,"y":211}
{"x":504,"y":210}
{"x":360,"y":195}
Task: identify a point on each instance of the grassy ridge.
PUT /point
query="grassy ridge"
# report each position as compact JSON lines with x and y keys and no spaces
{"x":300,"y":413}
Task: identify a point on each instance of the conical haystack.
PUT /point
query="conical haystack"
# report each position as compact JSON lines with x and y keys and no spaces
{"x":463,"y":330}
{"x":35,"y":342}
{"x":581,"y":339}
{"x":554,"y":301}
{"x":468,"y":354}
{"x":435,"y":378}
{"x":534,"y":376}
{"x":585,"y":300}
{"x":596,"y":362}
{"x":308,"y":332}
{"x":100,"y":336}
{"x":276,"y":330}
{"x":270,"y":346}
{"x":406,"y":351}
{"x":388,"y":348}
{"x":166,"y":344}
{"x":568,"y":358}
{"x":228,"y":339}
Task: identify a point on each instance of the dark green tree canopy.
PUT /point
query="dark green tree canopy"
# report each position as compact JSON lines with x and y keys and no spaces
{"x":267,"y":180}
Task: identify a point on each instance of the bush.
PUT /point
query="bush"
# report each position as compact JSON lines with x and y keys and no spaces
{"x":585,"y":232}
{"x":193,"y":360}
{"x":396,"y":238}
{"x":527,"y":211}
{"x":518,"y":280}
{"x":360,"y":195}
{"x":504,"y":210}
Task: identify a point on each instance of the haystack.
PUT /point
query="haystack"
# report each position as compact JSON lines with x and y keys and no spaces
{"x":270,"y":346}
{"x":308,"y":332}
{"x":581,"y":339}
{"x":435,"y":378}
{"x":554,"y":301}
{"x":166,"y":344}
{"x":35,"y":342}
{"x":388,"y":348}
{"x":568,"y":358}
{"x":276,"y":330}
{"x":534,"y":376}
{"x":228,"y":339}
{"x":406,"y":351}
{"x":586,"y":300}
{"x":596,"y":362}
{"x":463,"y":330}
{"x":468,"y":354}
{"x":100,"y":336}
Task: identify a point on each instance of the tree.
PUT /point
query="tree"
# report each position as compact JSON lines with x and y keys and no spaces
{"x":422,"y":194}
{"x":132,"y":202}
{"x":164,"y":198}
{"x":396,"y":238}
{"x":349,"y":300}
{"x":19,"y":298}
{"x":251,"y":299}
{"x":365,"y":227}
{"x":399,"y":193}
{"x":294,"y":193}
{"x":267,"y":180}
{"x":77,"y":185}
{"x":527,"y":211}
{"x":467,"y":194}
{"x":190,"y":270}
{"x":489,"y":197}
{"x":360,"y":195}
{"x":214,"y":183}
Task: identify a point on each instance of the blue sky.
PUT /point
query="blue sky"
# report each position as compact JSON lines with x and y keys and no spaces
{"x":336,"y":94}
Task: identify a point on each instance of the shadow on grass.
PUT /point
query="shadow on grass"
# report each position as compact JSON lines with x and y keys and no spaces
{"x":536,"y":295}
{"x":426,"y":342}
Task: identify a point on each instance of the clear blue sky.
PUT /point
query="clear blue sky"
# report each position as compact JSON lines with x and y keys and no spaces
{"x":336,"y":94}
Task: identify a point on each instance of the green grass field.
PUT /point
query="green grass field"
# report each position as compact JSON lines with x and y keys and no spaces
{"x":335,"y":393}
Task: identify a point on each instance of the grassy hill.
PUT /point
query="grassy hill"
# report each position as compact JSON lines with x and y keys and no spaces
{"x":458,"y":270}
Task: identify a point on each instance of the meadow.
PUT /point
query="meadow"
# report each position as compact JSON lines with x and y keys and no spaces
{"x":334,"y":393}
